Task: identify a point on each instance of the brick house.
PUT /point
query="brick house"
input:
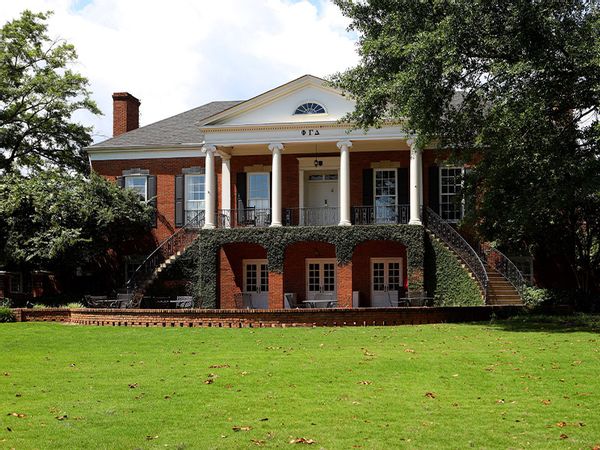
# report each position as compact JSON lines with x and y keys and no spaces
{"x":287,"y":203}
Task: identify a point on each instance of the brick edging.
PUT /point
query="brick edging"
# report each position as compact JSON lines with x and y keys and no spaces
{"x":241,"y":318}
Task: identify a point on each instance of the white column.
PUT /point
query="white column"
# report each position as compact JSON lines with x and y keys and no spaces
{"x":416,"y":182}
{"x":344,"y":147}
{"x":226,"y":188}
{"x":209,"y":186}
{"x":276,"y":149}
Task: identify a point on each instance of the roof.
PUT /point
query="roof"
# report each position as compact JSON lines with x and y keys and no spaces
{"x":179,"y":129}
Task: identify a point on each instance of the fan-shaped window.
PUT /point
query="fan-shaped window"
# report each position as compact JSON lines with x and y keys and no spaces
{"x":310,"y":108}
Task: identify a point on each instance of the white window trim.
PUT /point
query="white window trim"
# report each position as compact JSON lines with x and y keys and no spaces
{"x":258,"y":263}
{"x":321,"y":261}
{"x":375,"y":184}
{"x":145,"y":177}
{"x":248,"y":175}
{"x":306,"y":114}
{"x":441,"y":195}
{"x":186,"y":191}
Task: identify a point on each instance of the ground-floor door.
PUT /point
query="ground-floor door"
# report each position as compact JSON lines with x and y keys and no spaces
{"x":386,"y":281}
{"x":256,"y":282}
{"x":321,"y":282}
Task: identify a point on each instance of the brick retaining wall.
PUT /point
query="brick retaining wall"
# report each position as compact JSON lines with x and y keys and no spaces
{"x":241,"y":318}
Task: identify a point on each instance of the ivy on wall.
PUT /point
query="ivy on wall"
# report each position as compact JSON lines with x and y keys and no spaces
{"x":276,"y":240}
{"x":445,"y":278}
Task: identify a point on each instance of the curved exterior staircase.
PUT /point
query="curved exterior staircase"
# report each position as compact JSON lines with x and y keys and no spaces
{"x":500,"y":282}
{"x":161,"y":258}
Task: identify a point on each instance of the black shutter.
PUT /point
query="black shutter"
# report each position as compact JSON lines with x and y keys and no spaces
{"x":179,"y":200}
{"x":241,"y":190}
{"x":403,"y":186}
{"x":367,"y":199}
{"x":152,"y":196}
{"x":121,"y":182}
{"x":434,"y":188}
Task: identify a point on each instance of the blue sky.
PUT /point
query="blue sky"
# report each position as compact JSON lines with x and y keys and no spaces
{"x":180,"y":54}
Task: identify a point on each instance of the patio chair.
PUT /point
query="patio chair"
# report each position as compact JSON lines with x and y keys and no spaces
{"x":122,"y":300}
{"x":95,"y":301}
{"x":184,"y":301}
{"x":243,"y":300}
{"x":290,"y":300}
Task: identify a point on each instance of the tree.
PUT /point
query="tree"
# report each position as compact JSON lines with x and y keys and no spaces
{"x":38,"y":95}
{"x":515,"y":83}
{"x":56,"y":220}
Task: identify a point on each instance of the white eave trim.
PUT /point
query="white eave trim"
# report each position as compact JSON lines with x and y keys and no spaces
{"x":144,"y":152}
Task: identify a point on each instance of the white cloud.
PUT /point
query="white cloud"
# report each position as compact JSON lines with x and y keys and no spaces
{"x":180,"y":54}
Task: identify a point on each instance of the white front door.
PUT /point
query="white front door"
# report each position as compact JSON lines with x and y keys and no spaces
{"x":321,"y":200}
{"x":320,"y":280}
{"x":256,"y":282}
{"x":386,"y":281}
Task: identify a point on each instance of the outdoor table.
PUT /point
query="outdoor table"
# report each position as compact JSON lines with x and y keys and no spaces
{"x":327,"y":303}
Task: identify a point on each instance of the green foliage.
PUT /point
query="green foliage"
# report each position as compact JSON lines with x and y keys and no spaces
{"x":445,"y":278}
{"x":38,"y":95}
{"x":6,"y":314}
{"x":53,"y":219}
{"x":517,"y":84}
{"x":276,"y":240}
{"x":5,"y":302}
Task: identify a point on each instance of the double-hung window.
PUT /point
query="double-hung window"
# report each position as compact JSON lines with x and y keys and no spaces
{"x":194,"y":196}
{"x":258,"y":191}
{"x":15,"y":281}
{"x":139,"y":184}
{"x":452,"y":206}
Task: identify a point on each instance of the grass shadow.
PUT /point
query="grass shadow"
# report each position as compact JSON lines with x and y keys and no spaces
{"x":578,"y":322}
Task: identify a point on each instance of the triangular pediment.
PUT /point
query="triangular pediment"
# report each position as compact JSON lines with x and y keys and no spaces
{"x":280,"y":105}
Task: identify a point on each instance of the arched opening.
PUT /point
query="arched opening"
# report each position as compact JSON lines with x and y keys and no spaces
{"x":243,"y":276}
{"x":310,"y":273}
{"x":379,"y":273}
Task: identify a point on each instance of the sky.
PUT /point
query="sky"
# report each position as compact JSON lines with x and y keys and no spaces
{"x":178,"y":54}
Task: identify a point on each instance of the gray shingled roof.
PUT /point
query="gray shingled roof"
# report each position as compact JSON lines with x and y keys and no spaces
{"x":179,"y":129}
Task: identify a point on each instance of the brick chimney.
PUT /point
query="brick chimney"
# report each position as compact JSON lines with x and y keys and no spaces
{"x":126,"y":113}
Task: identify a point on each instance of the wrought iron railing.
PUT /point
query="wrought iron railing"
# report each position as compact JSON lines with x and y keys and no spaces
{"x":446,"y":233}
{"x":246,"y":217}
{"x":326,"y":215}
{"x":380,"y":214}
{"x":504,"y":266}
{"x":178,"y":241}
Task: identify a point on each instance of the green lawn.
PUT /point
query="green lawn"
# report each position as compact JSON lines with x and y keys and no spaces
{"x":509,"y":384}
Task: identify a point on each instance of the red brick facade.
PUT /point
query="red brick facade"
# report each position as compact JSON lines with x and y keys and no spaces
{"x":353,"y":277}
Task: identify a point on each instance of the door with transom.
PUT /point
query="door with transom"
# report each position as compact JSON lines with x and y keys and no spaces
{"x":386,"y":281}
{"x":320,"y":280}
{"x":256,"y":282}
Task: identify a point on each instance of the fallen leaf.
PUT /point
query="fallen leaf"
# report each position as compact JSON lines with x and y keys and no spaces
{"x":546,"y":402}
{"x":366,"y":382}
{"x":150,"y":438}
{"x":62,"y":417}
{"x":429,"y":395}
{"x":167,"y":397}
{"x":501,"y":400}
{"x":238,"y":428}
{"x":302,"y":441}
{"x":264,"y":419}
{"x":409,"y":350}
{"x":7,"y":374}
{"x":219,"y":366}
{"x":564,"y":436}
{"x":561,"y":424}
{"x":19,"y":415}
{"x":209,"y":381}
{"x":258,"y":441}
{"x":133,"y":385}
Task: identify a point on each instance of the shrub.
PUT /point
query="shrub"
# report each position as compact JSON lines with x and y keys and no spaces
{"x":6,"y":314}
{"x":534,"y":296}
{"x":6,"y":302}
{"x":74,"y":305}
